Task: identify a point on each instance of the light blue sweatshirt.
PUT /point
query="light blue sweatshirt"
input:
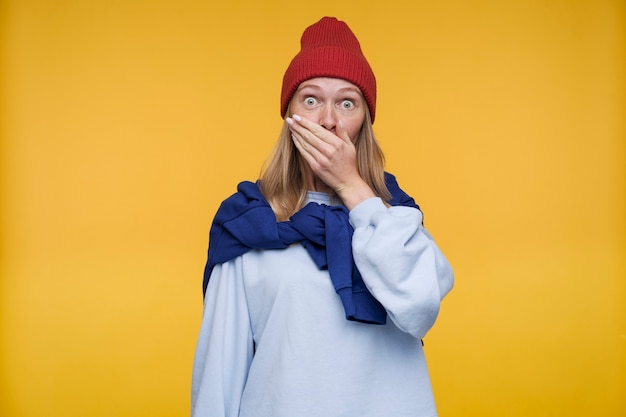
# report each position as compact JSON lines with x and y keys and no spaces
{"x":274,"y":341}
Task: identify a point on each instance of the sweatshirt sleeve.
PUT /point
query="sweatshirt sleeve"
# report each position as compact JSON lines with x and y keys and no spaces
{"x":225,"y":346}
{"x":400,"y":264}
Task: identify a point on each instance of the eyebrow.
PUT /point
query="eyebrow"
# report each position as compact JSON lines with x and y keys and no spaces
{"x":341,"y":90}
{"x":348,"y":89}
{"x":303,"y":86}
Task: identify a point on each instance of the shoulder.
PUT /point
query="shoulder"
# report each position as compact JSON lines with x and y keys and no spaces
{"x":398,"y":196}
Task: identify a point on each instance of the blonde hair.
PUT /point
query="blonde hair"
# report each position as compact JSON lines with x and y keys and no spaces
{"x":284,"y":177}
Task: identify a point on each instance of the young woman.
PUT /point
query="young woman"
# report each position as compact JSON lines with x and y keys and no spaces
{"x":321,"y":279}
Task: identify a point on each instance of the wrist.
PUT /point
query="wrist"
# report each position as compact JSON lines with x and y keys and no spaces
{"x":354,"y":194}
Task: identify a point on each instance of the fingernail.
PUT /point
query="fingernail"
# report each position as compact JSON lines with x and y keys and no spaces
{"x":296,"y":117}
{"x":341,"y":124}
{"x":289,"y":120}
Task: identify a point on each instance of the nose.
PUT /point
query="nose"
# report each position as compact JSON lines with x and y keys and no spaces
{"x":328,"y":118}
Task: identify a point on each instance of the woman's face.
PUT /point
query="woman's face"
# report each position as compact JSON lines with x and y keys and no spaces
{"x":326,"y":101}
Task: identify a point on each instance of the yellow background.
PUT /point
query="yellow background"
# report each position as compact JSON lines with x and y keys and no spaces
{"x":124,"y":124}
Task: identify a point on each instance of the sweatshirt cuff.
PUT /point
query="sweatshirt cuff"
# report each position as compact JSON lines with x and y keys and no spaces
{"x":361,"y":215}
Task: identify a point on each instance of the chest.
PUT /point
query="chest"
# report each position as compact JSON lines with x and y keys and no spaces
{"x":284,"y":288}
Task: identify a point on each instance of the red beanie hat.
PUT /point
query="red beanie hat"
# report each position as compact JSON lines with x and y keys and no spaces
{"x":329,"y":49}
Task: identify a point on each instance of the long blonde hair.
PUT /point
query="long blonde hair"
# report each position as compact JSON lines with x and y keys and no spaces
{"x":284,"y":177}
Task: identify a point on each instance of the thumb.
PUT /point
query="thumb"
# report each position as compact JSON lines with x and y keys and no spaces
{"x":342,"y":133}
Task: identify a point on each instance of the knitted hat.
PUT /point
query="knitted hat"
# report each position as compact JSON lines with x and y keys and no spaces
{"x":329,"y":49}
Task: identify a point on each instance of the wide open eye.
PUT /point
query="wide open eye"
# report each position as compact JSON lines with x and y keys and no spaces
{"x":310,"y":101}
{"x":347,"y":104}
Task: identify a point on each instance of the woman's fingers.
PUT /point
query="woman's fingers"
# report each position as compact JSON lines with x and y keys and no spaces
{"x":332,"y":158}
{"x":312,"y":131}
{"x":307,"y":150}
{"x":320,"y":143}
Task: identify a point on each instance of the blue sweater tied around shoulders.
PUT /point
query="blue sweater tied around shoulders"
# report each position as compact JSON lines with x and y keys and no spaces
{"x":245,"y":221}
